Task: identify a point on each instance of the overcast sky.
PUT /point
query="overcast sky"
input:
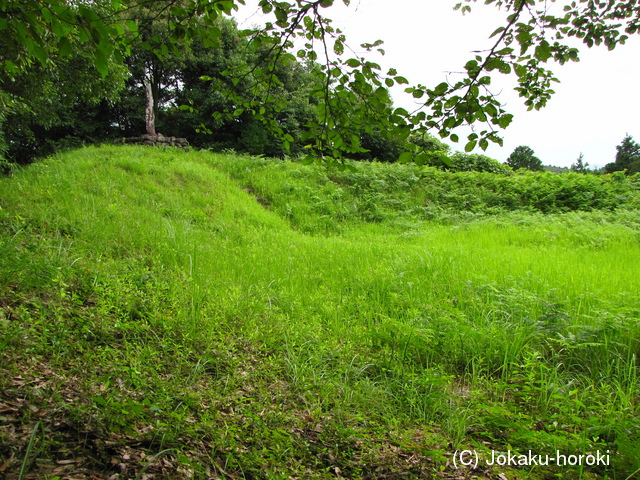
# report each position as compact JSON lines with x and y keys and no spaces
{"x":595,"y":105}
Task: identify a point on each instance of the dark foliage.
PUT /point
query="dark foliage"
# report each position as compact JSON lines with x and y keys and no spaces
{"x":524,"y":157}
{"x":627,"y":157}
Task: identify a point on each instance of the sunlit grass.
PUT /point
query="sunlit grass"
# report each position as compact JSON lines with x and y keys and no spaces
{"x":515,"y":328}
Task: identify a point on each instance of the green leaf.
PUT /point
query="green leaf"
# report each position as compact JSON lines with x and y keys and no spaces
{"x":471,"y":66}
{"x":520,"y":70}
{"x":504,"y":52}
{"x":524,"y":39}
{"x":422,"y":159}
{"x":224,"y":6}
{"x":21,"y":30}
{"x":281,"y":16}
{"x":504,"y":68}
{"x":496,"y":31}
{"x":470,"y":146}
{"x":405,"y":157}
{"x":119,"y":28}
{"x":505,"y":120}
{"x":494,"y":63}
{"x":41,"y":54}
{"x":444,"y":158}
{"x":382,"y":94}
{"x":64,"y":47}
{"x":451,"y":102}
{"x":543,"y":51}
{"x":441,"y":89}
{"x":102,"y":64}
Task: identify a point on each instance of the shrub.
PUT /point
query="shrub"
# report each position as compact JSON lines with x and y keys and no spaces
{"x":473,"y":162}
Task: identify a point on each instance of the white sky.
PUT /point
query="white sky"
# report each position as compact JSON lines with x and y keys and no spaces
{"x":595,"y":104}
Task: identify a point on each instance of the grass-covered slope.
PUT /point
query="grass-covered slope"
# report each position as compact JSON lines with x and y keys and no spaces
{"x":173,"y":315}
{"x":317,"y":200}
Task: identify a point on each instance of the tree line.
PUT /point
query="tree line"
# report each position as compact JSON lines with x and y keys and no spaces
{"x":69,"y":105}
{"x":75,"y":72}
{"x":627,"y":159}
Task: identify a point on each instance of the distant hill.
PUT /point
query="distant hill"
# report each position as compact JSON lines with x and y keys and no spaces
{"x":551,"y":168}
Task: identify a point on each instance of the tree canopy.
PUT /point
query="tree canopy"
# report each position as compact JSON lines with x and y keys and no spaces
{"x":580,"y":166}
{"x":352,"y":92}
{"x":627,"y":157}
{"x":524,"y":157}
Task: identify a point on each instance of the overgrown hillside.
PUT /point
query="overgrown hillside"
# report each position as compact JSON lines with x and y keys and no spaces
{"x":174,"y":315}
{"x":317,"y":200}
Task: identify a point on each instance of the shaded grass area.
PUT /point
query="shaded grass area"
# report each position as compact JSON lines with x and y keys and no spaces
{"x":158,"y":321}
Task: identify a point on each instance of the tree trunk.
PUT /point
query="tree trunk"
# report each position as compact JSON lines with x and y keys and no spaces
{"x":149,"y":113}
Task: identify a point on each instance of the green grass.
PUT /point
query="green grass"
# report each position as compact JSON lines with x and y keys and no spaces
{"x":192,"y":315}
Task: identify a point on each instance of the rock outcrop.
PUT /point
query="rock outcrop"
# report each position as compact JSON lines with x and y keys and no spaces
{"x":158,"y":140}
